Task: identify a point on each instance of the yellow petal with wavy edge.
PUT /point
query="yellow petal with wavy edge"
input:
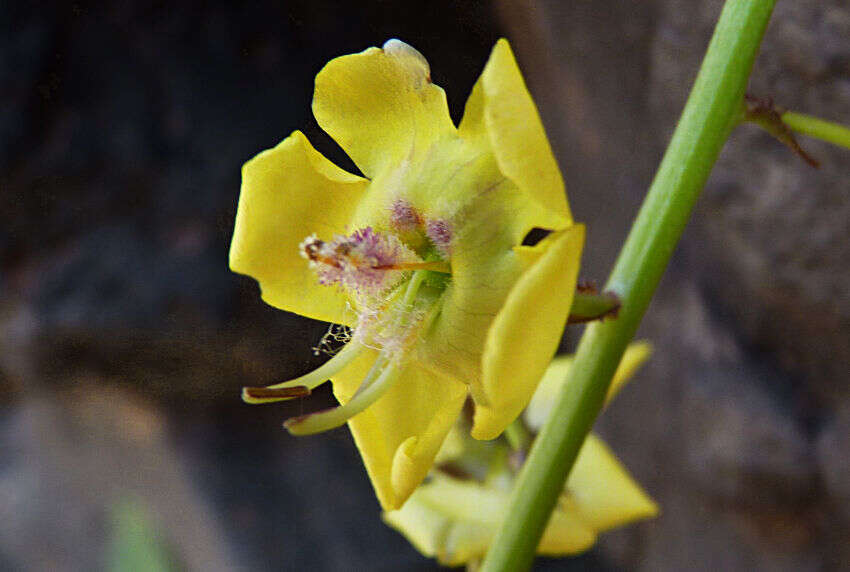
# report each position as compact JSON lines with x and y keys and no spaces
{"x":400,"y":434}
{"x":473,"y":512}
{"x":464,"y":542}
{"x":485,"y":268}
{"x":288,"y":193}
{"x":501,"y":110}
{"x":557,"y":375}
{"x":456,"y":521}
{"x":568,"y":532}
{"x":453,"y":445}
{"x":452,"y":541}
{"x":526,"y":332}
{"x":603,"y":490}
{"x":424,"y":527}
{"x":381,"y":107}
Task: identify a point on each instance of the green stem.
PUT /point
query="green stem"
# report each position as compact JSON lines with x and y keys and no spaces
{"x":711,"y":111}
{"x":817,"y":128}
{"x":589,"y":307}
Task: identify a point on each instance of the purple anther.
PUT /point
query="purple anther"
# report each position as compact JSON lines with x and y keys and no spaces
{"x":404,"y":216}
{"x":440,"y":233}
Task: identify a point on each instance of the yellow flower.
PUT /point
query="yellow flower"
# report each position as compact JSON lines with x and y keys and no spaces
{"x":422,"y":257}
{"x":454,"y":519}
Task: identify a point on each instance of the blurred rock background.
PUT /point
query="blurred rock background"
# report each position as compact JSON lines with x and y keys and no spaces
{"x":124,"y":339}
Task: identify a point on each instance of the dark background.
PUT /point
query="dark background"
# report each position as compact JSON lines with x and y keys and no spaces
{"x":124,"y":339}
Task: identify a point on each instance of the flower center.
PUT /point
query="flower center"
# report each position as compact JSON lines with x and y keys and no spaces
{"x":397,"y":291}
{"x":367,"y":263}
{"x":373,"y":266}
{"x":405,"y":318}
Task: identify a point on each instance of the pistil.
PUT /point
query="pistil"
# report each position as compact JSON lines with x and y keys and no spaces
{"x":440,"y":266}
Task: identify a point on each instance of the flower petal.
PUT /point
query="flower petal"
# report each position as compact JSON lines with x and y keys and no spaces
{"x":567,"y":532}
{"x":453,"y":541}
{"x":557,"y":375}
{"x":543,"y":400}
{"x":526,"y":332}
{"x":424,"y":527}
{"x":465,"y":542}
{"x":456,"y":521}
{"x":399,"y":435}
{"x":288,"y":193}
{"x":452,"y":520}
{"x":380,"y":106}
{"x":501,"y":110}
{"x":485,"y":268}
{"x":605,"y":493}
{"x":477,"y":510}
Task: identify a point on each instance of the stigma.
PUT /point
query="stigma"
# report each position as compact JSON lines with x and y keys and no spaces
{"x":367,"y":262}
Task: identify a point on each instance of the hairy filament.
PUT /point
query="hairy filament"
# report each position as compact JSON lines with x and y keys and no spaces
{"x":337,"y":416}
{"x":406,"y":304}
{"x":381,"y":377}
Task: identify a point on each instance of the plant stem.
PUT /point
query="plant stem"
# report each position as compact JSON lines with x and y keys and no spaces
{"x":712,"y":110}
{"x":817,"y":128}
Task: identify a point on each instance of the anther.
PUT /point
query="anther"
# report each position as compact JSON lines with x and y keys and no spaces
{"x":276,"y":393}
{"x":403,"y":216}
{"x":440,"y":233}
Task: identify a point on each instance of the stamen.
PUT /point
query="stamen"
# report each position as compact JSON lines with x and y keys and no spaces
{"x":440,"y":233}
{"x":406,"y":305}
{"x":308,"y":381}
{"x":403,"y":216}
{"x":281,"y":393}
{"x":381,"y":377}
{"x":337,"y":416}
{"x":410,"y":293}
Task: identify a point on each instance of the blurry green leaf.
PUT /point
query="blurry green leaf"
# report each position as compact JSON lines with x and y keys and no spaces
{"x":135,"y":545}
